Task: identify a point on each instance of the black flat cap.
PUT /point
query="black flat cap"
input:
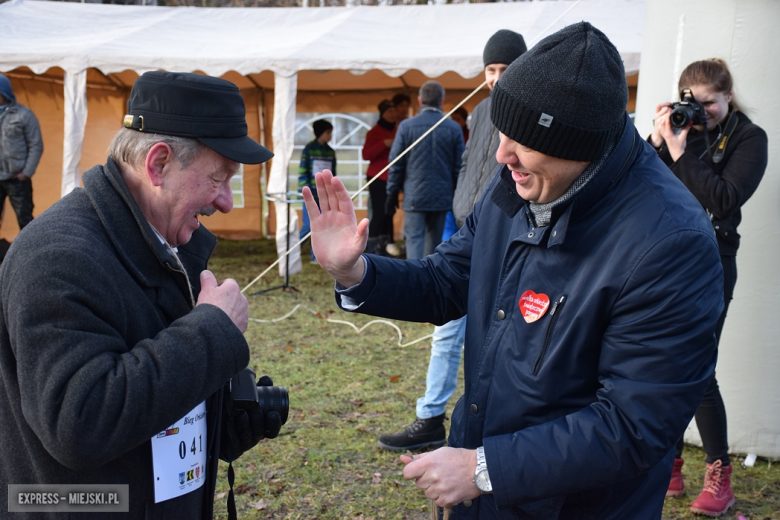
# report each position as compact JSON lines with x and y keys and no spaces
{"x":208,"y":109}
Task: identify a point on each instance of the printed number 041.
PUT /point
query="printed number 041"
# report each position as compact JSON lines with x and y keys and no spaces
{"x":193,"y":449}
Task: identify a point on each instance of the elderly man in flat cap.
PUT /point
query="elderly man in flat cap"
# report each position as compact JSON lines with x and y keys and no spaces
{"x":115,"y":341}
{"x":592,"y":283}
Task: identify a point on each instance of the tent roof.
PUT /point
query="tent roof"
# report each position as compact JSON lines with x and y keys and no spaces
{"x":433,"y":39}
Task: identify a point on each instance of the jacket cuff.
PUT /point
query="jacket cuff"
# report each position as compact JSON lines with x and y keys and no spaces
{"x":493,"y":449}
{"x":350,"y":298}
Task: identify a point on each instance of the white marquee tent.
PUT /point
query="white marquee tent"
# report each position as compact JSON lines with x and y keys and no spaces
{"x":432,"y":39}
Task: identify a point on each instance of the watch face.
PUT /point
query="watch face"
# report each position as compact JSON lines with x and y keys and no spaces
{"x":483,"y":481}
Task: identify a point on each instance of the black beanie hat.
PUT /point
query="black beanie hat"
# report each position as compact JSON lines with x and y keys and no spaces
{"x":566,"y":97}
{"x":503,"y":47}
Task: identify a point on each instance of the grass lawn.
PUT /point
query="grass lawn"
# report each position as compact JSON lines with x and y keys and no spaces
{"x":347,"y":388}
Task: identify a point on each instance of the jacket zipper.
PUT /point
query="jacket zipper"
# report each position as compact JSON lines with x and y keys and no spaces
{"x":548,"y":336}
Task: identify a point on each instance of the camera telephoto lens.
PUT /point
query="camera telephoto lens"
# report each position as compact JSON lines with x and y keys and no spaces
{"x":681,"y":116}
{"x":274,"y":398}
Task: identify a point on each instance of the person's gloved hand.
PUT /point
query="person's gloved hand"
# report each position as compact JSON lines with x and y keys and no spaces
{"x":391,"y":203}
{"x":243,"y":429}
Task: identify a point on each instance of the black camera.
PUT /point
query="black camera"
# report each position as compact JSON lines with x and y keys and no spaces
{"x":687,"y":111}
{"x":246,"y":395}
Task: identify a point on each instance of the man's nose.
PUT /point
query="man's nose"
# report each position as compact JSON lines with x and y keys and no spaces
{"x":224,"y":201}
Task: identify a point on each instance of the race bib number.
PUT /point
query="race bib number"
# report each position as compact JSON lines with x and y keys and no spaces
{"x":179,"y":456}
{"x":317,"y":165}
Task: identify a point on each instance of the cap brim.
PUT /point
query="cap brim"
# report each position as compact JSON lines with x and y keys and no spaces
{"x":244,"y":150}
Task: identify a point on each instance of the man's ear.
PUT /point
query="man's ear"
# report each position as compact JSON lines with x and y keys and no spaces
{"x":158,"y":159}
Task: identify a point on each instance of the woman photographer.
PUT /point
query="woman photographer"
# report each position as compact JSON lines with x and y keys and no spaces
{"x":721,"y":165}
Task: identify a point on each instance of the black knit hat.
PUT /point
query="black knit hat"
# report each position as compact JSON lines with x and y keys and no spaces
{"x":566,"y":97}
{"x":208,"y":109}
{"x":503,"y":47}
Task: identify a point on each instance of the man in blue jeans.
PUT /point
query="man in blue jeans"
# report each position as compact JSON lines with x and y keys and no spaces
{"x":478,"y":169}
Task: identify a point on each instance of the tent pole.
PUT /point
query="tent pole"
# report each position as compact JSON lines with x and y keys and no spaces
{"x":75,"y":123}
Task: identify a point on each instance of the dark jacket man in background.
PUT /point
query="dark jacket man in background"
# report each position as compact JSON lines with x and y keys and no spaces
{"x":21,"y":148}
{"x":115,"y":342}
{"x":592,"y":283}
{"x":427,"y":174}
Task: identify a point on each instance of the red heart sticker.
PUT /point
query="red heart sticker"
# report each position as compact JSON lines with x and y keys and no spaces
{"x":533,"y":306}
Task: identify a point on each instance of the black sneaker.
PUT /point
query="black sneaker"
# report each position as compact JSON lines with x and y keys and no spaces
{"x":421,"y":433}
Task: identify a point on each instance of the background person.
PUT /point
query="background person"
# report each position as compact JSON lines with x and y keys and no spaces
{"x":21,"y":148}
{"x":316,"y":156}
{"x":427,"y":174}
{"x":401,"y":102}
{"x":721,"y":185}
{"x":577,"y":269}
{"x":461,"y":117}
{"x":111,"y":329}
{"x":477,"y":171}
{"x":376,"y":150}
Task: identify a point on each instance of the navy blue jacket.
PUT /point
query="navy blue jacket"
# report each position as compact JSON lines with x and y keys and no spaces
{"x":428,"y":173}
{"x":578,"y":411}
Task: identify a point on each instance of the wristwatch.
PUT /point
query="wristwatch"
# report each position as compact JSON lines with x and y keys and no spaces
{"x":481,"y":477}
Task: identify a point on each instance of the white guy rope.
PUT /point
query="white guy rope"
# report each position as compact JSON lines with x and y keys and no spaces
{"x":358,"y":330}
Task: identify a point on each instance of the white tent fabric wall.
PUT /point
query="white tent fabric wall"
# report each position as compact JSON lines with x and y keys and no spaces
{"x":285,"y":88}
{"x":744,"y":34}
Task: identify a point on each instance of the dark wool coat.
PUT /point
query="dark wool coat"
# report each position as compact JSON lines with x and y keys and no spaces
{"x":722,"y":188}
{"x":578,"y":411}
{"x":428,"y":173}
{"x":479,"y":162}
{"x":100,"y":349}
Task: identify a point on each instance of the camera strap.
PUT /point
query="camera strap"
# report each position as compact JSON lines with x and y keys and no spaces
{"x":231,"y":501}
{"x":720,"y":151}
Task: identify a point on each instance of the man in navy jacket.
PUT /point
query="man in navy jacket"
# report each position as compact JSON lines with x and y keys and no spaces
{"x":592,"y":283}
{"x":427,"y":174}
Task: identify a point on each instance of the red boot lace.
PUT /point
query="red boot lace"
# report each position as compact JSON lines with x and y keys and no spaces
{"x":713,"y":479}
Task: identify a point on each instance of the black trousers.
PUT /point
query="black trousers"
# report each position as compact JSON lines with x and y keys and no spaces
{"x":19,"y":193}
{"x":380,"y":224}
{"x":711,"y":414}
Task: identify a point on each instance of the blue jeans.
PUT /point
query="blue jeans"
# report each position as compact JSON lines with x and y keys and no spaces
{"x":305,"y":228}
{"x":443,"y":367}
{"x":423,"y":231}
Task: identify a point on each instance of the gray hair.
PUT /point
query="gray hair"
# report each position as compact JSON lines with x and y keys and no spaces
{"x":130,"y":147}
{"x":432,"y":93}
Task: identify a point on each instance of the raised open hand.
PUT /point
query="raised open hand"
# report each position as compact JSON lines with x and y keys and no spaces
{"x":336,"y":237}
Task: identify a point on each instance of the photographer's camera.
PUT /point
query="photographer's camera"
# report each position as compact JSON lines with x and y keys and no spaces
{"x":687,"y":111}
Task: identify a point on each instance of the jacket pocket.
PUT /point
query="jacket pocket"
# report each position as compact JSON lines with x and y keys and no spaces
{"x":555,"y":312}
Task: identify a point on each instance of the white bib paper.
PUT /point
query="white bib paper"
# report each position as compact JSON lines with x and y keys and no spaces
{"x":179,"y":456}
{"x":317,"y":165}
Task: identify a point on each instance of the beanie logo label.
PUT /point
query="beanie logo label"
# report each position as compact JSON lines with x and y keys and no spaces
{"x":545,"y":120}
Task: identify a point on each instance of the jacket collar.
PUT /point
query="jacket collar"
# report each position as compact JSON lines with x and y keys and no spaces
{"x":508,"y":201}
{"x":133,"y":237}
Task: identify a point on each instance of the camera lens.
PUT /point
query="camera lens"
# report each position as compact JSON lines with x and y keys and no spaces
{"x":274,"y":398}
{"x":681,"y":116}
